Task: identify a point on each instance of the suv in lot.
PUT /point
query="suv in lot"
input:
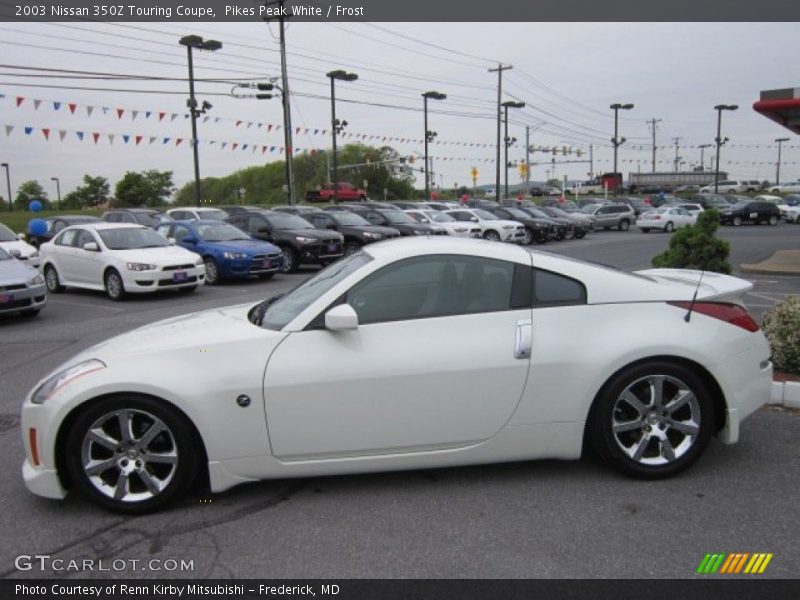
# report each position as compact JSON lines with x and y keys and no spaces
{"x":357,"y":231}
{"x":607,"y":216}
{"x":300,"y":242}
{"x":732,"y":186}
{"x":750,"y":212}
{"x":148,"y":217}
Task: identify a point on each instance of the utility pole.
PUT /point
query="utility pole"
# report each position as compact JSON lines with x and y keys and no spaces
{"x":778,"y":164}
{"x":527,"y":158}
{"x":677,"y":149}
{"x":8,"y":183}
{"x":702,"y":155}
{"x":499,"y":70}
{"x":429,"y":135}
{"x":652,"y":123}
{"x":287,"y":111}
{"x":508,"y":140}
{"x":591,"y":161}
{"x":719,"y":139}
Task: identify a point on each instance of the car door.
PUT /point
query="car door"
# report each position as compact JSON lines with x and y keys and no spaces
{"x":63,"y":255}
{"x":89,"y":264}
{"x":603,"y":216}
{"x":438,"y":361}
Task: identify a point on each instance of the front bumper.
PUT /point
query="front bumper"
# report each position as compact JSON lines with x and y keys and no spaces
{"x":152,"y":281}
{"x":42,"y":482}
{"x":327,"y":251}
{"x":257,"y":265}
{"x":29,"y":298}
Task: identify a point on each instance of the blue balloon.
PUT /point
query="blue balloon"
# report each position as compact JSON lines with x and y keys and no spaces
{"x":35,"y":206}
{"x":37,"y":227}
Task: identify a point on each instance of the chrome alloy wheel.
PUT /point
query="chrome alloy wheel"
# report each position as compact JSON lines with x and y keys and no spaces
{"x":129,"y":455}
{"x":656,"y":420}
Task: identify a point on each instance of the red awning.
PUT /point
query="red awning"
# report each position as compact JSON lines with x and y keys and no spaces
{"x":784,"y":111}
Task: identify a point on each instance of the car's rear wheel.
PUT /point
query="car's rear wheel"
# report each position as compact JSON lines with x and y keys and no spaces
{"x":351,"y":248}
{"x":115,"y":288}
{"x":51,"y":279}
{"x":212,"y":271}
{"x":492,"y":236}
{"x":773,"y":220}
{"x":131,"y":454}
{"x":624,"y":225}
{"x":737,"y":221}
{"x":652,"y":420}
{"x":289,"y":260}
{"x":669,"y":227}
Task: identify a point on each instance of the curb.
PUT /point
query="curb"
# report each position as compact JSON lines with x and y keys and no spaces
{"x":785,"y":393}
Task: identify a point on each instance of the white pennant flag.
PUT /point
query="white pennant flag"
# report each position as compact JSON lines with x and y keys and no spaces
{"x":152,"y":139}
{"x":134,"y":114}
{"x":174,"y":116}
{"x":89,"y":110}
{"x":62,"y":134}
{"x":111,"y":138}
{"x":9,"y":129}
{"x":205,"y":119}
{"x":36,"y":104}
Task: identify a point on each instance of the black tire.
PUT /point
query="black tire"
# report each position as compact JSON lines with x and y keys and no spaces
{"x":580,"y":234}
{"x":289,"y":260}
{"x":351,"y":248}
{"x":212,"y":271}
{"x":542,"y":236}
{"x":737,"y":221}
{"x":30,"y":312}
{"x":492,"y":236}
{"x":669,"y":227}
{"x":115,"y":288}
{"x":179,"y":439}
{"x":773,"y":220}
{"x":685,"y":438}
{"x":52,"y":281}
{"x":645,"y":230}
{"x":624,"y":225}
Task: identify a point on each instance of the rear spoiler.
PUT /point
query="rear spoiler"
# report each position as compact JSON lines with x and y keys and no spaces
{"x":714,"y":287}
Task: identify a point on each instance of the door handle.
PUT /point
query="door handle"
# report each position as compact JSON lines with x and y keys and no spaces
{"x":523,"y":340}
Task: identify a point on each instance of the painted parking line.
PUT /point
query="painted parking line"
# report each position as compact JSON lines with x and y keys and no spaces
{"x":764,"y":297}
{"x":87,"y":305}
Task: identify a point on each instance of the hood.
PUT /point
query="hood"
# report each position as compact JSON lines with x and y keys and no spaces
{"x":195,"y":331}
{"x":163,"y":256}
{"x":25,"y":249}
{"x":387,"y":231}
{"x":251,"y":246}
{"x":14,"y":272}
{"x":415,"y":227}
{"x":319,"y":234}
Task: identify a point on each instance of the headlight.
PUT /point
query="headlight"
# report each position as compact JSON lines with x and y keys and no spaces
{"x":305,"y":240}
{"x":34,"y":255}
{"x":57,"y":380}
{"x":37,"y":280}
{"x":234,"y":255}
{"x":141,"y":267}
{"x":199,"y":262}
{"x":372,"y":236}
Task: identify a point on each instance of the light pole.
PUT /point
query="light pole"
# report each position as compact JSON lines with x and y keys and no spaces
{"x":616,"y":140}
{"x":336,"y":125}
{"x":196,"y":42}
{"x":58,"y":190}
{"x":8,"y":183}
{"x":429,"y":135}
{"x":778,"y":165}
{"x":702,"y":155}
{"x":719,"y":108}
{"x":508,"y":141}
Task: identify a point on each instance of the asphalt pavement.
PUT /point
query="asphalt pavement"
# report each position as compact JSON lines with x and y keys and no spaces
{"x":529,"y":519}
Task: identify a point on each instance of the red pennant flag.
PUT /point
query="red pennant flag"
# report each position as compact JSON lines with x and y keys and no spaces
{"x":20,"y":100}
{"x":178,"y":141}
{"x":46,"y":133}
{"x":120,"y":112}
{"x":238,"y":123}
{"x":161,"y":115}
{"x":138,"y":139}
{"x":96,"y":137}
{"x":263,"y":149}
{"x":269,"y":127}
{"x":72,"y":107}
{"x":235,"y":145}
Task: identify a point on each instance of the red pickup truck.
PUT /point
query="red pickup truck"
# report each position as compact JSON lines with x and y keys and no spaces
{"x":345,"y":193}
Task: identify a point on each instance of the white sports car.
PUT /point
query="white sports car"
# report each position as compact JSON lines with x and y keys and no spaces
{"x":118,"y":258}
{"x":666,"y":218}
{"x":410,"y":354}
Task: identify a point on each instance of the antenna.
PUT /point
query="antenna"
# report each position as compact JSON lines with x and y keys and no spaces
{"x":694,"y":298}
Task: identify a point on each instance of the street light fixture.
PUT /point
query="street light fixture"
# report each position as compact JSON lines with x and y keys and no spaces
{"x":778,"y":166}
{"x":336,"y":125}
{"x":58,"y":190}
{"x":8,"y":183}
{"x":195,"y":42}
{"x":507,"y":140}
{"x":720,"y":142}
{"x":429,"y":135}
{"x":616,"y":140}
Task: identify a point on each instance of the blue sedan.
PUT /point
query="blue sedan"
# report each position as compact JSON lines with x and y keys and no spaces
{"x":228,"y":252}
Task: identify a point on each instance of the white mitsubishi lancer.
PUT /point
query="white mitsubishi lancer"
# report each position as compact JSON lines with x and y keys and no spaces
{"x":414,"y":353}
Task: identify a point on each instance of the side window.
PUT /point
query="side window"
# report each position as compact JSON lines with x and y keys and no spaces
{"x":321,"y":221}
{"x":128,"y":218}
{"x":67,"y":238}
{"x":83,"y":237}
{"x":164,"y":230}
{"x":55,"y":226}
{"x":180,"y":232}
{"x":254,"y":224}
{"x":552,"y":289}
{"x":435,"y":286}
{"x":179,"y":215}
{"x":462,"y":215}
{"x":374,"y":218}
{"x":112,"y":217}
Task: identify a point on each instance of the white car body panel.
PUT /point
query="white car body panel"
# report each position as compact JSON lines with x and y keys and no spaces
{"x":658,"y":219}
{"x":325,"y":402}
{"x":27,"y":253}
{"x":455,"y":229}
{"x":786,"y":188}
{"x":509,"y":231}
{"x":77,"y":267}
{"x":791,"y":214}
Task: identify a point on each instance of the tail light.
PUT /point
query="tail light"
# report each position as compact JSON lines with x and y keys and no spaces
{"x":730,"y":313}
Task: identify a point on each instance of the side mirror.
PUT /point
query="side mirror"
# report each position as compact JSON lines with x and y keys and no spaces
{"x":91,"y":247}
{"x":21,"y":236}
{"x":474,"y":219}
{"x":15,"y":253}
{"x":341,"y":318}
{"x":171,"y":241}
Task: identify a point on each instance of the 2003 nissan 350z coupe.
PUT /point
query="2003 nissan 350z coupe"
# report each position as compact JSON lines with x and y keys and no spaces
{"x":409,"y":354}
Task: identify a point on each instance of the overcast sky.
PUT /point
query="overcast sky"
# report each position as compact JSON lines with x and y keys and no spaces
{"x":568,"y":74}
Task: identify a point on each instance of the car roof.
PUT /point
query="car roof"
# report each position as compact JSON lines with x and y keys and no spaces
{"x":103,"y":225}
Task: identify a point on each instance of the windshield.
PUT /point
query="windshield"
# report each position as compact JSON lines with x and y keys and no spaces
{"x":286,"y":221}
{"x":212,"y":214}
{"x":150,"y":219}
{"x":589,"y":209}
{"x":519,"y":214}
{"x":346,"y":218}
{"x":284,"y":311}
{"x":557,"y":212}
{"x":440,"y":217}
{"x":537,"y":213}
{"x":740,"y":205}
{"x":395,"y":217}
{"x":6,"y":235}
{"x":220,"y":232}
{"x":131,"y":238}
{"x":485,"y":214}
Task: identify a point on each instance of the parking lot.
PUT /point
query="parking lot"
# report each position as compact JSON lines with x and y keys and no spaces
{"x":530,"y":519}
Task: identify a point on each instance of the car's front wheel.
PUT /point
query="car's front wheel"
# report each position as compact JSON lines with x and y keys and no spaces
{"x":51,"y":279}
{"x":624,"y":225}
{"x":131,"y":454}
{"x":669,"y":227}
{"x":212,"y":271}
{"x":289,"y":260}
{"x":773,"y":220}
{"x":737,"y":221}
{"x":115,"y":288}
{"x":492,"y":236}
{"x":527,"y":240}
{"x":652,"y":420}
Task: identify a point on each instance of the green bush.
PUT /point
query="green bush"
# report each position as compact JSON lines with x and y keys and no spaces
{"x":696,"y":247}
{"x":782,"y":328}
